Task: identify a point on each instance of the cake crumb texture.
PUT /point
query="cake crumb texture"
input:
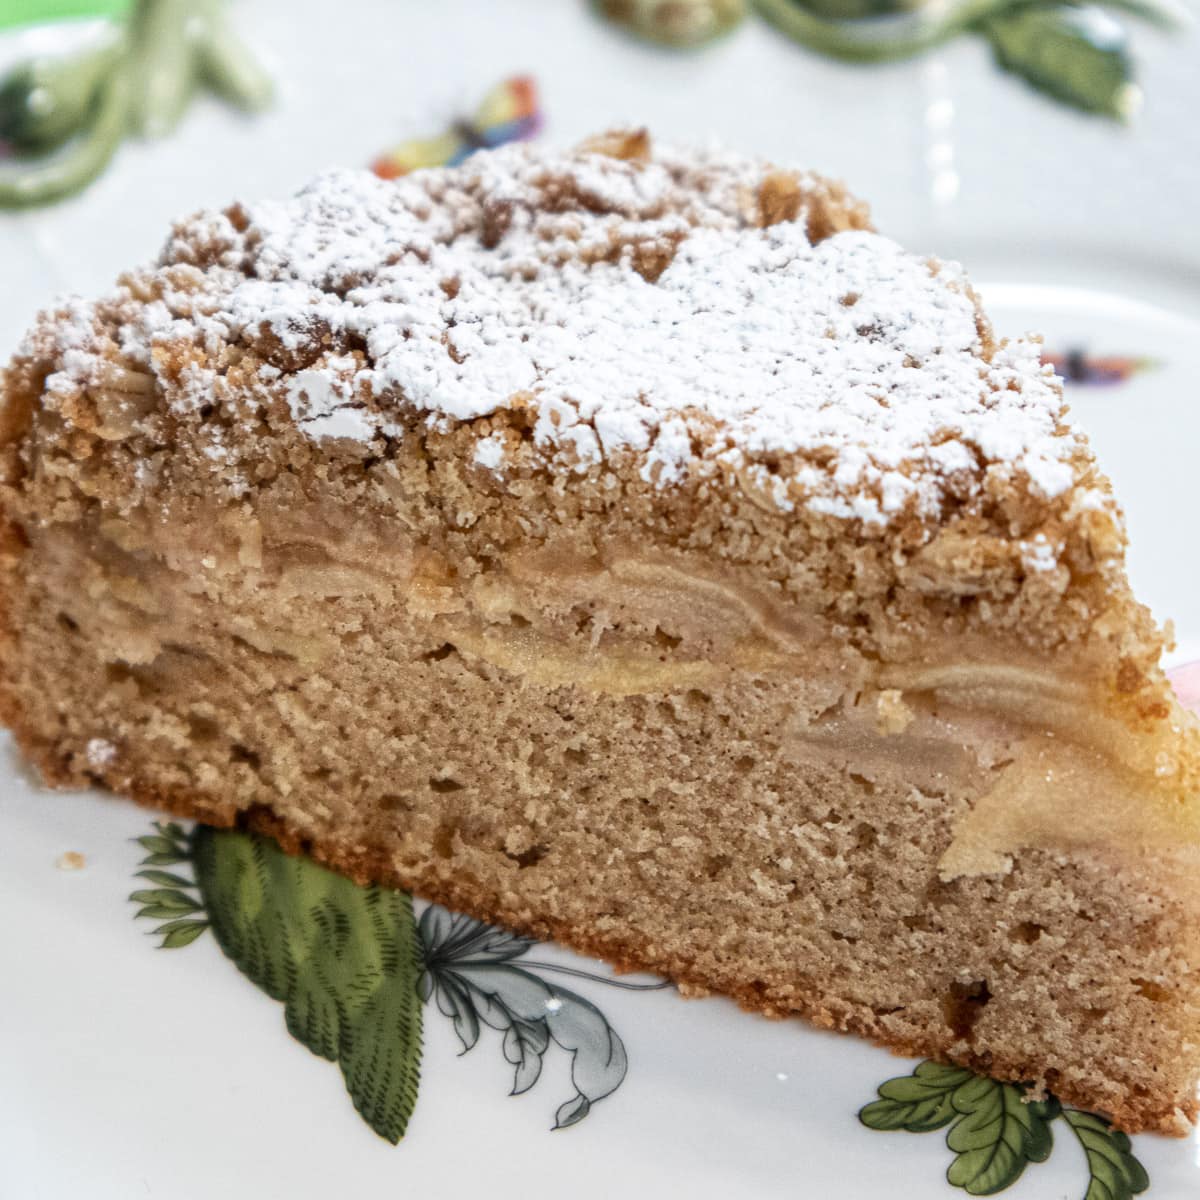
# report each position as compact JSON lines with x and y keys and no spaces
{"x":631,"y":547}
{"x":685,"y":309}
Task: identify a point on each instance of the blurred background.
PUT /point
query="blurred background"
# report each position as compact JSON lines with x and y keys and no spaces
{"x":1053,"y":148}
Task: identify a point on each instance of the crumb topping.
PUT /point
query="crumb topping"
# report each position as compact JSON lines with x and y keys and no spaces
{"x":692,"y":309}
{"x":100,"y":753}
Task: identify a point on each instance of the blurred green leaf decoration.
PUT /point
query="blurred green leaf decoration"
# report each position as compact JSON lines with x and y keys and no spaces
{"x":681,"y":23}
{"x":62,"y":117}
{"x":27,"y":12}
{"x":1075,"y":53}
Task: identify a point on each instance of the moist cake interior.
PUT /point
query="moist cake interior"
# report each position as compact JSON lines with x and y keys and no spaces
{"x":842,"y":707}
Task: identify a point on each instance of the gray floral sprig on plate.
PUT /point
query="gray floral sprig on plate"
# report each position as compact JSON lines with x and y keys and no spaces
{"x":1077,"y":53}
{"x":470,"y":968}
{"x":63,"y":117}
{"x":355,"y":969}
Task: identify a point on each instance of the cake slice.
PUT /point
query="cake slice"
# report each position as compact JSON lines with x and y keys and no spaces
{"x":636,"y":550}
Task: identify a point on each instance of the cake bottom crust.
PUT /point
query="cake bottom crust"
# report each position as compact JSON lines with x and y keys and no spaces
{"x":1136,"y":1114}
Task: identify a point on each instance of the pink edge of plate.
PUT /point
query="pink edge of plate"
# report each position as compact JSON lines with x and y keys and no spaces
{"x":1186,"y":682}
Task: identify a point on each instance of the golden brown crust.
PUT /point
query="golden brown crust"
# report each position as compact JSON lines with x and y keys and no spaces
{"x":100,"y":436}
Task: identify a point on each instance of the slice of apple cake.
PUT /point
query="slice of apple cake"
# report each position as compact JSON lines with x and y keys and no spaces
{"x":637,"y":550}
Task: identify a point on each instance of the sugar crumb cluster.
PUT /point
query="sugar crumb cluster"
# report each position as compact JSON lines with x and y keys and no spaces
{"x":690,"y":309}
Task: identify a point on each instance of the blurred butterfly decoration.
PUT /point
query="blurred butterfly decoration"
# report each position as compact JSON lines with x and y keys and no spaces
{"x":509,"y":113}
{"x":1076,"y":53}
{"x":1077,"y":366}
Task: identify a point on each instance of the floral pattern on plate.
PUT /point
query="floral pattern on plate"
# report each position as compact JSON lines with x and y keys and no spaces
{"x":356,"y":968}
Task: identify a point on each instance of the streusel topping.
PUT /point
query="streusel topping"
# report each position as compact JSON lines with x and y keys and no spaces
{"x":691,"y":308}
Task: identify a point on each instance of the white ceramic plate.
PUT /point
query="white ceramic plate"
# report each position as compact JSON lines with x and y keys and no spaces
{"x":130,"y":1071}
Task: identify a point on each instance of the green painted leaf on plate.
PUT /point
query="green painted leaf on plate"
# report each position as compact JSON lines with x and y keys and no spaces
{"x":344,"y":960}
{"x":1114,"y":1172}
{"x":24,"y":12}
{"x":999,"y":1134}
{"x":919,"y":1102}
{"x":170,"y":898}
{"x":163,"y":860}
{"x":182,"y":933}
{"x":181,"y":923}
{"x":1079,"y":55}
{"x":165,"y":879}
{"x":160,"y":912}
{"x":679,"y":23}
{"x":858,"y":10}
{"x":157,"y":844}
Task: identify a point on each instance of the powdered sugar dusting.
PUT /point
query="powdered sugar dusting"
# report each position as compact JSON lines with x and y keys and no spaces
{"x":656,"y":308}
{"x":100,"y":753}
{"x":489,"y":452}
{"x":1038,"y":554}
{"x":323,"y":402}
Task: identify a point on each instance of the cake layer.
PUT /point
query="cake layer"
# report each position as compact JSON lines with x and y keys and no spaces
{"x":623,"y":622}
{"x":639,"y":552}
{"x":776,"y":835}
